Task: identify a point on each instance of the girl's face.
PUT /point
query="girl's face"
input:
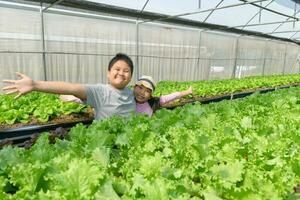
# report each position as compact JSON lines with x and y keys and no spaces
{"x":142,"y":93}
{"x":119,"y":75}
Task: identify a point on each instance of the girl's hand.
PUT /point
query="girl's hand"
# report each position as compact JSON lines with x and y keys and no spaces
{"x":70,"y":98}
{"x":186,"y":92}
{"x":22,"y":86}
{"x":190,"y":90}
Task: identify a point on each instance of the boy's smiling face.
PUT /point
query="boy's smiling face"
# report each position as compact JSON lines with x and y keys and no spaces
{"x":119,"y":75}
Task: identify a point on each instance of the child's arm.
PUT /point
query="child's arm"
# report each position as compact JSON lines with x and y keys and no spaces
{"x":25,"y":84}
{"x":176,"y":95}
{"x":70,"y":98}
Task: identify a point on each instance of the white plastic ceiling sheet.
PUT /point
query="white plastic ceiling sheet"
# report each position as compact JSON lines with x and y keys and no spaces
{"x":229,"y":13}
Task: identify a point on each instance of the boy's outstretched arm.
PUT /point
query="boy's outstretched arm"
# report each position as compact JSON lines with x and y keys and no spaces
{"x":25,"y":84}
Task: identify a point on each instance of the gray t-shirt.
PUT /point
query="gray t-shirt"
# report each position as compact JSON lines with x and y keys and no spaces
{"x":108,"y":101}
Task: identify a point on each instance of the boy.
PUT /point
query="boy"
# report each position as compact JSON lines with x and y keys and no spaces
{"x":107,"y":99}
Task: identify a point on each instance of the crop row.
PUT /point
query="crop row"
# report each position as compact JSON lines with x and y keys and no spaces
{"x":243,"y":149}
{"x":35,"y":106}
{"x":227,"y":86}
{"x":42,"y":106}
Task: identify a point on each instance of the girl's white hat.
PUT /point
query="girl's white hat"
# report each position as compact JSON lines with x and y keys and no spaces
{"x":146,"y":81}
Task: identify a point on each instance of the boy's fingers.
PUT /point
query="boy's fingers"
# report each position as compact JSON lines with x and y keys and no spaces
{"x":12,"y":91}
{"x":9,"y":81}
{"x":9,"y":87}
{"x":20,"y":75}
{"x":18,"y":96}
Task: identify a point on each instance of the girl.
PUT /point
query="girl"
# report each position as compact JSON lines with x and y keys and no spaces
{"x":146,"y":103}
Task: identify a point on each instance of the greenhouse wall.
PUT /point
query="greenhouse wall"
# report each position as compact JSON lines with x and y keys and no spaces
{"x":20,"y":46}
{"x":292,"y":61}
{"x":78,"y":47}
{"x":81,"y":48}
{"x":169,"y":53}
{"x":218,"y":52}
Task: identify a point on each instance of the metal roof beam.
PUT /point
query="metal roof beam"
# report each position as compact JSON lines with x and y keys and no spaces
{"x":282,"y":23}
{"x":256,"y":14}
{"x":18,"y":5}
{"x":133,"y":14}
{"x":284,"y":32}
{"x":271,"y":10}
{"x":145,"y":5}
{"x":211,"y":12}
{"x":51,"y":5}
{"x":294,"y":34}
{"x":262,"y":24}
{"x":203,"y":11}
{"x":143,"y":8}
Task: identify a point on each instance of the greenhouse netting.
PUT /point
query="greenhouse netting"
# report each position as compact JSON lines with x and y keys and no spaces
{"x":72,"y":40}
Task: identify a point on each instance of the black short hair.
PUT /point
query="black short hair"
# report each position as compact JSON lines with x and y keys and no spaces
{"x":121,"y":56}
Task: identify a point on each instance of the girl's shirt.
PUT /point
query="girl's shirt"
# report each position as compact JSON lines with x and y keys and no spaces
{"x":145,"y":108}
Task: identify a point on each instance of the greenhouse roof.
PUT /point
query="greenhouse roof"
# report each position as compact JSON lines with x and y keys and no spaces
{"x":275,"y":19}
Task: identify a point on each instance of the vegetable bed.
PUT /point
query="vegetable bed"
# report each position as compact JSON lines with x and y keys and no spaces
{"x":38,"y":108}
{"x":203,"y":90}
{"x":41,"y":108}
{"x":243,"y":149}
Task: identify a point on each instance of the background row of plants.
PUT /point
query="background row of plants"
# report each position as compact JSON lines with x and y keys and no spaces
{"x":43,"y":106}
{"x":242,"y":149}
{"x":211,"y":88}
{"x":35,"y":106}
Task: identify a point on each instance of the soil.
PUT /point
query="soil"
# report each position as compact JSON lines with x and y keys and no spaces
{"x":297,"y":189}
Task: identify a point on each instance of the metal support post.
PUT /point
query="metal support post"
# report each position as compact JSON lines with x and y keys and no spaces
{"x":264,"y":63}
{"x":295,"y":10}
{"x":199,"y":56}
{"x":236,"y":57}
{"x":284,"y":60}
{"x":137,"y":50}
{"x":43,"y":42}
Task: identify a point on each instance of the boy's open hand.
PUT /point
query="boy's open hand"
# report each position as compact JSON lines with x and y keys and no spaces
{"x":21,"y":86}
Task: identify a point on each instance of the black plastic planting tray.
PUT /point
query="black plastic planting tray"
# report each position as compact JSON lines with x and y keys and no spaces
{"x":19,"y":135}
